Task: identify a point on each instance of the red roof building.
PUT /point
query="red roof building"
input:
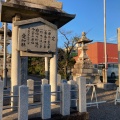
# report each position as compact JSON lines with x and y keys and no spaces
{"x":96,"y":52}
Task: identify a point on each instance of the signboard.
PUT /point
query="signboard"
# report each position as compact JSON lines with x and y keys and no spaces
{"x":37,"y":37}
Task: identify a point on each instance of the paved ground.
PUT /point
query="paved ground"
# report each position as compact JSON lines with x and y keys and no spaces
{"x":106,"y":111}
{"x":34,"y":112}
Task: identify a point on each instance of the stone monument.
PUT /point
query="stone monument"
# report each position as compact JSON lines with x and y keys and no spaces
{"x":22,"y":13}
{"x":83,"y":66}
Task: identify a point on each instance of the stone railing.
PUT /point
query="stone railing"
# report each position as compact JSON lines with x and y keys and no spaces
{"x":66,"y":100}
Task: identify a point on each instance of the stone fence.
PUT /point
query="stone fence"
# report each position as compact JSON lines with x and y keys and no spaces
{"x":66,"y":99}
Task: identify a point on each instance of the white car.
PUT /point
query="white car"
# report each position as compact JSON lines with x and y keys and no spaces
{"x":112,"y":69}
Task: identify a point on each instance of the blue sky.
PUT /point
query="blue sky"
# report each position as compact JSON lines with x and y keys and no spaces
{"x":89,"y":17}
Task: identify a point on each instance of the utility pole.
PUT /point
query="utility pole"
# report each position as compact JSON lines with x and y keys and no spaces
{"x":105,"y":50}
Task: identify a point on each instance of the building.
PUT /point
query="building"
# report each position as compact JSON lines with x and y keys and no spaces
{"x":96,"y":52}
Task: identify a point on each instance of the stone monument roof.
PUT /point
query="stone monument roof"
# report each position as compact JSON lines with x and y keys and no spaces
{"x":48,"y":3}
{"x":30,"y":10}
{"x":84,"y":39}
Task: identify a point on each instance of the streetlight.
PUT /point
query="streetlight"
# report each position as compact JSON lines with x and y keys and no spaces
{"x":105,"y":51}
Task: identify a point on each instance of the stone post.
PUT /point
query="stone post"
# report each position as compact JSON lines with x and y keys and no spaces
{"x":81,"y":94}
{"x":58,"y":79}
{"x":65,"y":99}
{"x":73,"y":94}
{"x":58,"y":87}
{"x":23,"y":103}
{"x":14,"y":100}
{"x":53,"y":76}
{"x":44,"y":81}
{"x":24,"y":70}
{"x":46,"y":67}
{"x":30,"y":85}
{"x":15,"y":60}
{"x":104,"y":77}
{"x":46,"y":101}
{"x":1,"y":98}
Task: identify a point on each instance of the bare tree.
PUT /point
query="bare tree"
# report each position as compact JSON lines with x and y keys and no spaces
{"x":69,"y":46}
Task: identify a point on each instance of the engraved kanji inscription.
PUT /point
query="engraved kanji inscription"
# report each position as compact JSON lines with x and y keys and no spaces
{"x":37,"y":37}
